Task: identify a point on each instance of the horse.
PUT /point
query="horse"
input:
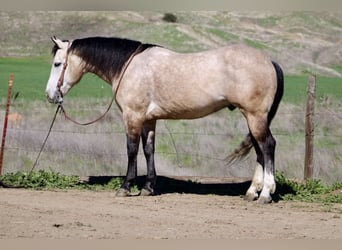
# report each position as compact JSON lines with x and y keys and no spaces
{"x":150,"y":82}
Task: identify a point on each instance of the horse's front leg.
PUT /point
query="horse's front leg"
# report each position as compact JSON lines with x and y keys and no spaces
{"x":148,"y":139}
{"x":132,"y":153}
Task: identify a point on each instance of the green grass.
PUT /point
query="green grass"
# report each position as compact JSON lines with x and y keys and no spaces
{"x":39,"y":180}
{"x":296,"y":86}
{"x":28,"y":76}
{"x":47,"y":180}
{"x":310,"y":191}
{"x":255,"y":44}
{"x":169,"y":36}
{"x":268,"y":22}
{"x":338,"y":68}
{"x":31,"y":75}
{"x":222,"y":34}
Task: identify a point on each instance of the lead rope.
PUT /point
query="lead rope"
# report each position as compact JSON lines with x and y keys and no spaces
{"x":46,"y":138}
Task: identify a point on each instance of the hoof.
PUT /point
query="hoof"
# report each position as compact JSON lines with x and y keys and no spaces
{"x":250,"y":197}
{"x":123,"y":193}
{"x":145,"y":192}
{"x":264,"y":200}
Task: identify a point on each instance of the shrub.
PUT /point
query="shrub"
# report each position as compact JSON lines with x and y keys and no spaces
{"x":170,"y":18}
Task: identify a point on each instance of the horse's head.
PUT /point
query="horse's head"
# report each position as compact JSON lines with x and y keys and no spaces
{"x":66,"y":71}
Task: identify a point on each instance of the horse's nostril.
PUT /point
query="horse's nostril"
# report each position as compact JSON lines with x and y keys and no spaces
{"x":59,"y":100}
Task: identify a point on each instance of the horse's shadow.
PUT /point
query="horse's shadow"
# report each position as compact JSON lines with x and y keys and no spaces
{"x":167,"y":185}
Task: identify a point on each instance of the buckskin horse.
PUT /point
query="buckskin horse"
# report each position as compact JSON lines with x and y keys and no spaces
{"x":150,"y":82}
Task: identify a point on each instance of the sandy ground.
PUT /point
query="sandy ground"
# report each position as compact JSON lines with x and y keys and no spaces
{"x":75,"y":214}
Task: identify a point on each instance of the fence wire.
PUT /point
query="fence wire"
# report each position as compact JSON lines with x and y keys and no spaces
{"x":187,"y":147}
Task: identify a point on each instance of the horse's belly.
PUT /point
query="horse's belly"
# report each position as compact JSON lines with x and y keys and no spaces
{"x":181,"y":110}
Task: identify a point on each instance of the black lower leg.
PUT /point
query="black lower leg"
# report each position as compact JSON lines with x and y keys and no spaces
{"x":148,"y":138}
{"x":258,"y":151}
{"x":151,"y":175}
{"x":269,"y":148}
{"x":132,"y":152}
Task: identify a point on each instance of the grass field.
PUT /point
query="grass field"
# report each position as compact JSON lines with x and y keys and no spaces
{"x":31,"y":75}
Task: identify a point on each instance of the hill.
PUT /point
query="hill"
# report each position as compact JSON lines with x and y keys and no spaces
{"x":299,"y":41}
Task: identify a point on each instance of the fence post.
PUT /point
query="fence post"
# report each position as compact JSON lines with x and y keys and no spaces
{"x":4,"y":130}
{"x":309,"y":128}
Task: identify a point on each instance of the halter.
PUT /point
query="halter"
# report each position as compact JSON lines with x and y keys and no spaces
{"x":61,"y":77}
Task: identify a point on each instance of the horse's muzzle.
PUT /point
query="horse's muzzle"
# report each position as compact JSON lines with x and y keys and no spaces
{"x":56,"y":99}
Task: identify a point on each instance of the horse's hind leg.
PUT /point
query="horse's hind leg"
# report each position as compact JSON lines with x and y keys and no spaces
{"x":264,"y":145}
{"x":269,"y":186}
{"x":257,"y":184}
{"x":148,"y":139}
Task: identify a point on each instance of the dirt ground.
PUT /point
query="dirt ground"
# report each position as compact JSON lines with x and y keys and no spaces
{"x":75,"y":214}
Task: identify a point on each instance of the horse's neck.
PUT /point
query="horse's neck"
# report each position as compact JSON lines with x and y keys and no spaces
{"x":111,"y":76}
{"x":104,"y":77}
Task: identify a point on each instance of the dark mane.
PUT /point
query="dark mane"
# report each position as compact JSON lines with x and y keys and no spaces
{"x":106,"y":55}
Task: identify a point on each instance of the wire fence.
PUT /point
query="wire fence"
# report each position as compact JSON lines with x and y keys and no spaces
{"x":185,"y":147}
{"x":190,"y":147}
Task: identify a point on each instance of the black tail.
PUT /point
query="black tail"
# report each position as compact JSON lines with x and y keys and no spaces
{"x":279,"y":92}
{"x":246,"y":145}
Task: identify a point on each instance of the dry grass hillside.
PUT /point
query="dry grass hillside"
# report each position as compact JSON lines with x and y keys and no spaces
{"x":300,"y":41}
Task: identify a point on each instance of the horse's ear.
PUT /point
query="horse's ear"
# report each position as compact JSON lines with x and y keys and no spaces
{"x":53,"y":38}
{"x":59,"y":42}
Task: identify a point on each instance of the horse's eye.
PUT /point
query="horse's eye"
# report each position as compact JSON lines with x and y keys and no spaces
{"x":57,"y":64}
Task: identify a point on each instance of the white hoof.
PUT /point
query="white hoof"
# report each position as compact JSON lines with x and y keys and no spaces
{"x":250,"y":197}
{"x":264,"y":199}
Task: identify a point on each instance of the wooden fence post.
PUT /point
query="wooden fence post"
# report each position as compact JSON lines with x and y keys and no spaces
{"x":4,"y":130}
{"x":309,"y":128}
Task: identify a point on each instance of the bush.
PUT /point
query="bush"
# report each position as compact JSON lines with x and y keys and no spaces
{"x":39,"y":180}
{"x":309,"y":191}
{"x":170,"y":18}
{"x":50,"y":180}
